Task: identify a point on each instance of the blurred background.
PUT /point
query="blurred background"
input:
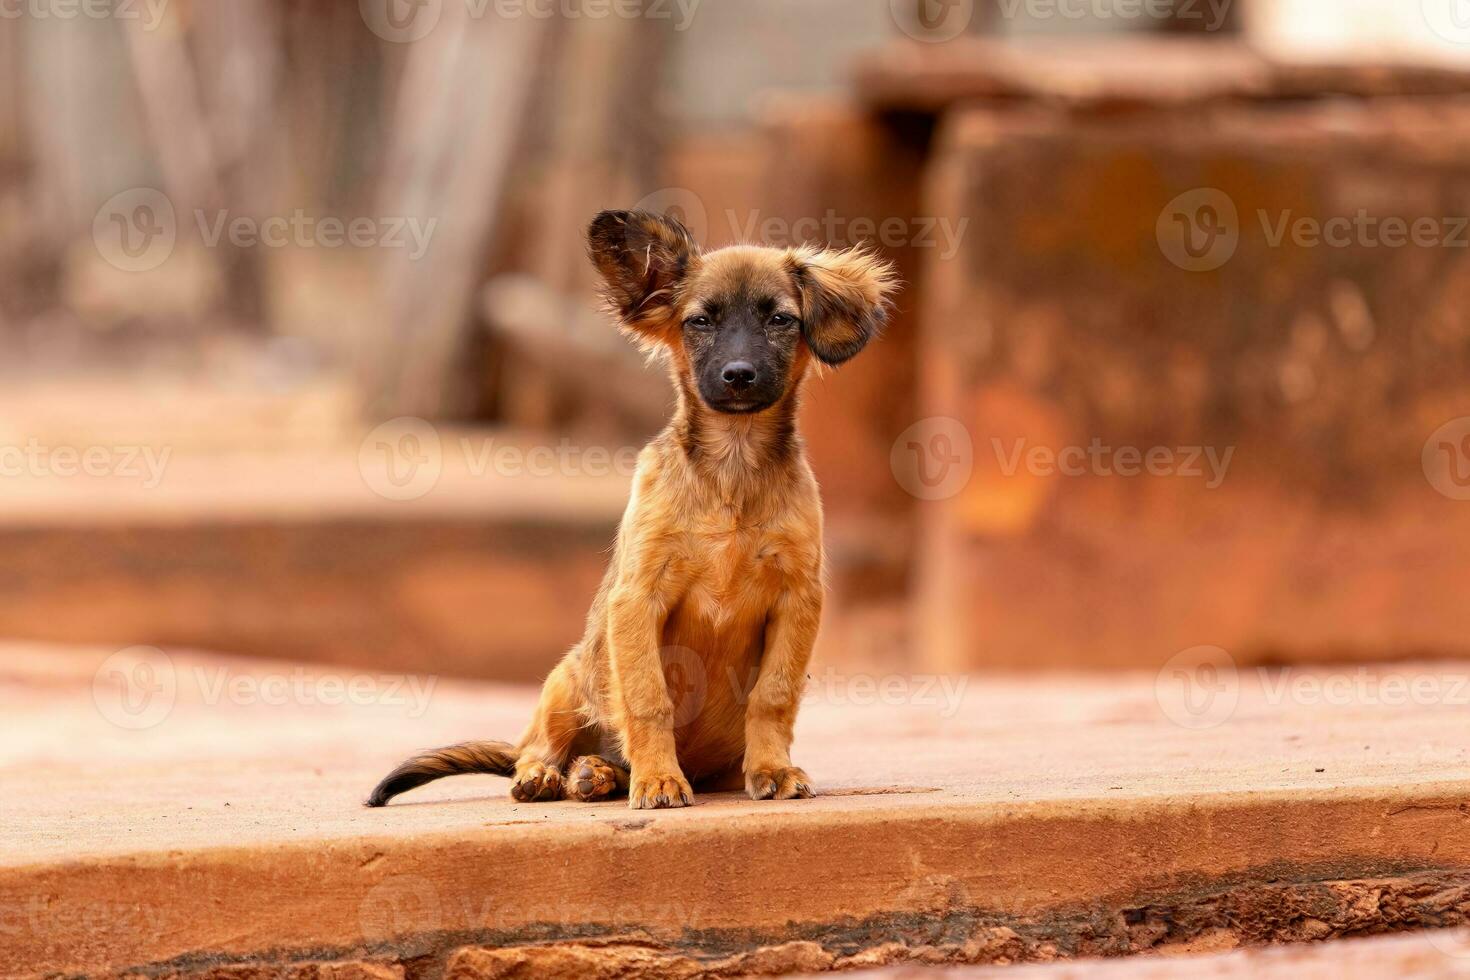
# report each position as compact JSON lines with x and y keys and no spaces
{"x":301,"y":356}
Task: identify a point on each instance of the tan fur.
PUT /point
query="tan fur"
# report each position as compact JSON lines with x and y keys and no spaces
{"x":695,"y":653}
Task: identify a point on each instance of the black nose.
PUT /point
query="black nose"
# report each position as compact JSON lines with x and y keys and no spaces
{"x":739,"y":374}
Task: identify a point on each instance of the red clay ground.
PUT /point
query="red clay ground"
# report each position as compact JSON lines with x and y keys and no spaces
{"x":1428,"y":955}
{"x":1028,"y":819}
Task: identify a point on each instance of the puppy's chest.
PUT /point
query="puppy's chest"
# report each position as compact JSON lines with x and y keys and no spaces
{"x":736,"y":572}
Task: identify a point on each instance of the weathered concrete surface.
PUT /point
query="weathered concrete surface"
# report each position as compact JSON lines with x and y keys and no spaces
{"x":217,"y":821}
{"x":1306,"y":393}
{"x":300,"y":554}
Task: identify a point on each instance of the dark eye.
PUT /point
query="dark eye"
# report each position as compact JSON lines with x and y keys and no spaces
{"x":699,"y":322}
{"x":781,"y":320}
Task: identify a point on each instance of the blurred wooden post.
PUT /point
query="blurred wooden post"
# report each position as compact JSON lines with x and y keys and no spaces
{"x":14,"y":231}
{"x":461,"y":108}
{"x":603,"y":137}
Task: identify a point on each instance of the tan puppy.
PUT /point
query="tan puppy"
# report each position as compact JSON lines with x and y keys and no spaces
{"x":719,"y":555}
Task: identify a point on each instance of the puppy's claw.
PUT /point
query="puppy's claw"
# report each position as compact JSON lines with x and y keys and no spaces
{"x":659,"y":793}
{"x":787,"y":783}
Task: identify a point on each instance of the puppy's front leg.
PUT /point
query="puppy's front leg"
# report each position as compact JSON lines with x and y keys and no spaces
{"x":646,"y":714}
{"x":771,"y":711}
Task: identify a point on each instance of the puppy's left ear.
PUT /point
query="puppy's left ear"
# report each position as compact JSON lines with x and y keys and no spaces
{"x":642,"y":258}
{"x":845,"y":299}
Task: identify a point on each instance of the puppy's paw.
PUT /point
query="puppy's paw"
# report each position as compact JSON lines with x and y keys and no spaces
{"x":659,"y":792}
{"x":537,"y":783}
{"x":593,"y":778}
{"x":789,"y":783}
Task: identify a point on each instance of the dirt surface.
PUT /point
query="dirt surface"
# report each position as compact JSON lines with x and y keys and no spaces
{"x":218,"y":822}
{"x":1430,"y":955}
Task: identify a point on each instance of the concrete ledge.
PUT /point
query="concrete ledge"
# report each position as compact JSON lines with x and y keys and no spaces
{"x":1018,"y":820}
{"x":300,"y":554}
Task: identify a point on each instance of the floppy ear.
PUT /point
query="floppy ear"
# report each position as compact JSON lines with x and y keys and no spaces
{"x":845,"y":298}
{"x":642,"y":258}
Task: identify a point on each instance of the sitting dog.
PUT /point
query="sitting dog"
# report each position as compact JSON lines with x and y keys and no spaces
{"x":717,"y":568}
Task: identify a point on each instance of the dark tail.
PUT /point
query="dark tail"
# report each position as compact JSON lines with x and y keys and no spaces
{"x":496,"y":758}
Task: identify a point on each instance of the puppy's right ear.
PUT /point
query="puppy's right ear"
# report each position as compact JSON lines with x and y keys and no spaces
{"x":642,"y":258}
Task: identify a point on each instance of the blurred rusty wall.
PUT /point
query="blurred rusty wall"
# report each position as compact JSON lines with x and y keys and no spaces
{"x":1127,"y":288}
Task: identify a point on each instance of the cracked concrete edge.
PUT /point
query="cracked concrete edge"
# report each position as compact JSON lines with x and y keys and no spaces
{"x":1056,"y":879}
{"x":1282,"y":912}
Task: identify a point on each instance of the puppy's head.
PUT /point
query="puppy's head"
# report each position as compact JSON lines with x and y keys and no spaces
{"x":742,"y":323}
